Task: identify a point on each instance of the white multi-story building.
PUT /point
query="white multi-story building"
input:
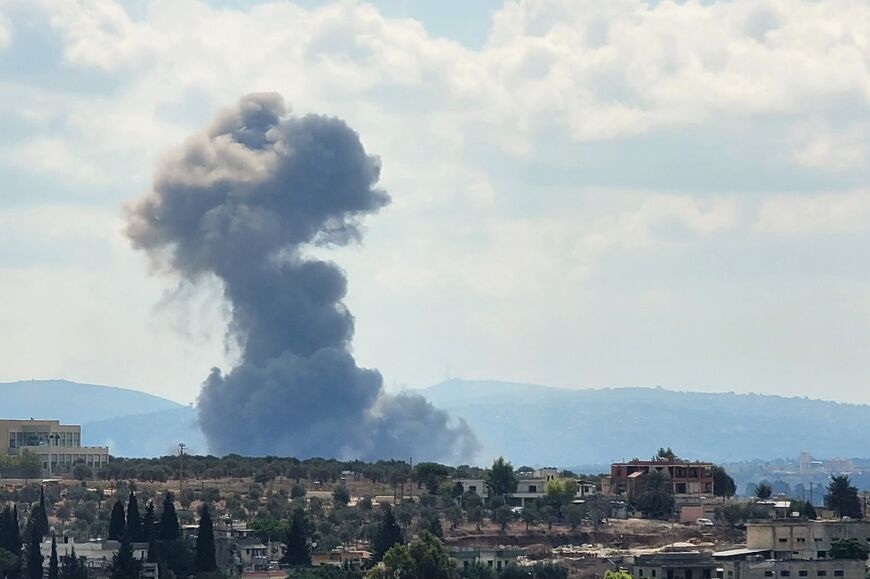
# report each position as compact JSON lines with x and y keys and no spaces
{"x":56,"y":444}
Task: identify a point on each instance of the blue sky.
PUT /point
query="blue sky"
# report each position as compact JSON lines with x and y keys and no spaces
{"x":585,"y":194}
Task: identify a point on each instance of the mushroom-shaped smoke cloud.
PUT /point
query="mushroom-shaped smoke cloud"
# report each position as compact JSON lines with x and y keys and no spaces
{"x":241,"y":201}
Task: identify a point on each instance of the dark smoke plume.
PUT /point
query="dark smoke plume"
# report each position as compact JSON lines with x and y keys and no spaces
{"x":241,"y":201}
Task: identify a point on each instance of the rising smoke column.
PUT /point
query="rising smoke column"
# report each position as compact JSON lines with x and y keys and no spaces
{"x":241,"y":201}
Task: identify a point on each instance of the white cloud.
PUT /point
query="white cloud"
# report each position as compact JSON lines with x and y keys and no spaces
{"x":825,"y":213}
{"x":818,"y":146}
{"x":592,"y":71}
{"x":5,"y":31}
{"x":54,"y":155}
{"x":475,"y":249}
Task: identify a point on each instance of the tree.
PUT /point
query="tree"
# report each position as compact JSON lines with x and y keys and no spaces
{"x":574,"y":515}
{"x":723,"y":484}
{"x":388,"y":534}
{"x":34,"y":558}
{"x":397,"y":564}
{"x":617,"y":575}
{"x":502,"y":517}
{"x":763,"y":491}
{"x":52,"y":560}
{"x":454,"y":515}
{"x":809,"y":511}
{"x":849,"y":549}
{"x":530,"y":515}
{"x":298,"y":550}
{"x":666,"y":454}
{"x":169,"y":529}
{"x":71,"y":567}
{"x":9,"y":563}
{"x":40,"y":517}
{"x":430,"y":475}
{"x":475,"y":515}
{"x":134,"y":520}
{"x":205,"y":555}
{"x":117,"y":523}
{"x":82,"y":471}
{"x":340,"y":495}
{"x":433,"y":525}
{"x":560,"y":493}
{"x":842,"y":498}
{"x":124,"y":564}
{"x":656,"y":500}
{"x":500,"y":479}
{"x":149,"y":529}
{"x":424,"y":558}
{"x":431,"y":558}
{"x":29,"y":465}
{"x":15,"y":543}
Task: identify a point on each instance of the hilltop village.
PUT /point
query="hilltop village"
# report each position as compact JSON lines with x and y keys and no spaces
{"x":73,"y":512}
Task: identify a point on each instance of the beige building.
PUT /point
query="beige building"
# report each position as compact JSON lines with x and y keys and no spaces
{"x":57,"y":445}
{"x":674,"y":565}
{"x":803,"y":539}
{"x":756,"y":564}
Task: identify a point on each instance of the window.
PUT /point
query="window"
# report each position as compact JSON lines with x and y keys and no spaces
{"x":533,"y":488}
{"x":821,"y":573}
{"x":653,"y":572}
{"x":472,"y":488}
{"x":802,"y":573}
{"x":705,"y":574}
{"x":785,"y":573}
{"x":782,"y":540}
{"x":838,"y":572}
{"x":768,"y":573}
{"x":801,"y":540}
{"x":819,"y":539}
{"x":821,"y":554}
{"x":640,"y":572}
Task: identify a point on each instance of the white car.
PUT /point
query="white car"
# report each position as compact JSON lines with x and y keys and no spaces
{"x":704,"y":523}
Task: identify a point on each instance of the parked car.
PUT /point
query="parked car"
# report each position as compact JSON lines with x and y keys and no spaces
{"x":704,"y":523}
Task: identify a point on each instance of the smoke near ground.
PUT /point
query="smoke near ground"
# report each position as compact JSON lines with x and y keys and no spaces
{"x":241,"y":201}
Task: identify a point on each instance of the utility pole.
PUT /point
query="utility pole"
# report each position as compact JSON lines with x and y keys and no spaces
{"x":181,"y":446}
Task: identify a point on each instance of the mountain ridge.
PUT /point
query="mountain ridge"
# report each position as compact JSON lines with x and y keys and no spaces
{"x":527,"y":423}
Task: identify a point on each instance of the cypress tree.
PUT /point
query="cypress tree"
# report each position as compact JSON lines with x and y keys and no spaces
{"x":15,"y":543}
{"x":149,"y":529}
{"x":134,"y":520}
{"x":117,"y":524}
{"x":205,"y":557}
{"x":169,"y":530}
{"x":71,"y":568}
{"x":124,"y":564}
{"x":34,"y":558}
{"x":296,"y":540}
{"x":68,"y":565}
{"x":42,"y":520}
{"x":388,"y":534}
{"x":52,"y":561}
{"x":5,"y":522}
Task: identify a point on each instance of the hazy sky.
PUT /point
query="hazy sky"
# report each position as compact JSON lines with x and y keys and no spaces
{"x":585,"y":193}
